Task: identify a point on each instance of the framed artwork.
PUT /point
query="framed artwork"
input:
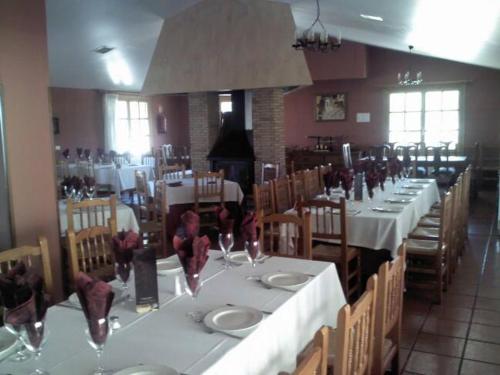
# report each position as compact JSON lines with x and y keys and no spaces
{"x":331,"y":107}
{"x":55,"y":124}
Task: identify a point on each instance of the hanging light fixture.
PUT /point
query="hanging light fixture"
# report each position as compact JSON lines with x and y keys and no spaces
{"x":316,"y":37}
{"x":406,"y":79}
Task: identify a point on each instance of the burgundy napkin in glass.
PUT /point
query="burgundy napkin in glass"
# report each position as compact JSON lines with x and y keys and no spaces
{"x":124,"y":245}
{"x":86,"y":152}
{"x":346,"y":179}
{"x":190,"y":225}
{"x":89,"y":181}
{"x":371,"y":179}
{"x":395,"y":168}
{"x":79,"y":152}
{"x":225,"y":220}
{"x":193,"y":255}
{"x":100,"y":152}
{"x":331,"y":180}
{"x":65,"y":153}
{"x":19,"y":284}
{"x":249,"y":228}
{"x":96,"y":297}
{"x":382,"y":176}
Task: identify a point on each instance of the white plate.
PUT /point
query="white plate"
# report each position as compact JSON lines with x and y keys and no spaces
{"x":399,"y":200}
{"x":168,"y":266}
{"x":239,"y":257}
{"x":285,"y":280}
{"x":392,"y":210}
{"x":420,"y":181}
{"x":407,"y":193}
{"x":413,"y":187}
{"x":236,"y":320}
{"x":7,"y":343}
{"x":147,"y":370}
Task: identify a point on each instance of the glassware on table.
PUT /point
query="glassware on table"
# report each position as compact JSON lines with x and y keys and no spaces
{"x":21,"y":354}
{"x":33,"y":337}
{"x":69,"y":192}
{"x":193,"y":286}
{"x":90,"y":192}
{"x":97,"y":334}
{"x":252,"y":250}
{"x":122,"y":272}
{"x":226,"y":243}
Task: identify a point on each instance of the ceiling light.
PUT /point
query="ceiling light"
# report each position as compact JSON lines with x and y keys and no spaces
{"x":373,"y":18}
{"x":316,"y":39}
{"x":406,"y":79}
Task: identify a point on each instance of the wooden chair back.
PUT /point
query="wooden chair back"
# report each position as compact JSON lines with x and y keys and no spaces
{"x":167,"y":152}
{"x":143,"y":195}
{"x":90,"y":251}
{"x":311,"y":183}
{"x":90,"y":213}
{"x":323,"y":170}
{"x":171,"y":172}
{"x":154,"y":230}
{"x":388,"y":312}
{"x":269,"y":171}
{"x":121,"y":159}
{"x":346,"y":155}
{"x":208,"y":185}
{"x":286,"y":235}
{"x":263,"y":198}
{"x":149,"y":160}
{"x":354,"y":334}
{"x":31,"y":256}
{"x":298,"y":186}
{"x":316,"y":362}
{"x":282,"y":195}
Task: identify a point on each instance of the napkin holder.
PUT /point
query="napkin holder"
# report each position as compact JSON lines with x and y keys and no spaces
{"x":146,"y":282}
{"x":358,"y":187}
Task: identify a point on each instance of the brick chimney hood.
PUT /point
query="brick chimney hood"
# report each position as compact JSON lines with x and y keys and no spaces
{"x":227,"y":44}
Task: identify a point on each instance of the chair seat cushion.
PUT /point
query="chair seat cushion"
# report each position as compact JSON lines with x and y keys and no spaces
{"x":429,"y":221}
{"x":331,"y":252}
{"x":425,"y":233}
{"x":421,"y":247}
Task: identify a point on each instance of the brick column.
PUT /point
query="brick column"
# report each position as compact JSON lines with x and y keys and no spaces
{"x":268,"y":128}
{"x":203,"y":127}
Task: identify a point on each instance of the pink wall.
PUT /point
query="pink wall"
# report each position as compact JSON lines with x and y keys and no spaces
{"x":81,"y":121}
{"x":24,"y":75}
{"x":175,"y":108}
{"x":482,"y":99}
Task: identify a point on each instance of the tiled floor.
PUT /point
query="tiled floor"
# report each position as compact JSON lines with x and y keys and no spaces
{"x":462,"y":335}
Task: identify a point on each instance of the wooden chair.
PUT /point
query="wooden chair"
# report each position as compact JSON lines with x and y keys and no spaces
{"x":154,"y":229}
{"x":329,"y":223}
{"x":286,"y":235}
{"x":143,"y":195}
{"x":316,"y":362}
{"x":282,"y":195}
{"x":428,"y":260}
{"x":346,"y":155}
{"x":465,"y":202}
{"x":208,"y":186}
{"x":121,"y":159}
{"x":149,"y":160}
{"x":32,"y":256}
{"x":388,"y":314}
{"x":171,"y":172}
{"x":90,"y":213}
{"x":298,"y":186}
{"x":263,"y":198}
{"x":269,"y":171}
{"x":353,"y":339}
{"x":312,"y":185}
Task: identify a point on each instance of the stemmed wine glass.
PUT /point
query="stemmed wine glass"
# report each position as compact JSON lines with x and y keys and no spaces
{"x":69,"y":192}
{"x":226,"y":243}
{"x":15,"y":329}
{"x":32,"y":336}
{"x":122,"y":271}
{"x":90,"y":191}
{"x":97,"y":334}
{"x":193,"y":287}
{"x":252,"y":250}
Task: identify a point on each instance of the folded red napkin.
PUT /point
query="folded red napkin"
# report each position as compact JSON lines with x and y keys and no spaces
{"x":382,"y":176}
{"x":225,"y":220}
{"x":96,"y":297}
{"x":79,"y":152}
{"x":86,"y":152}
{"x":395,"y":168}
{"x":193,"y":255}
{"x":371,"y":179}
{"x":89,"y":181}
{"x":65,"y":153}
{"x":346,"y":179}
{"x":124,"y":245}
{"x":190,"y":225}
{"x":249,"y":227}
{"x":331,"y":180}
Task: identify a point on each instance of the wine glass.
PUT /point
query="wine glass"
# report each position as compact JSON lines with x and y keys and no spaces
{"x":69,"y":192}
{"x":193,"y":286}
{"x":252,"y":250}
{"x":97,"y":334}
{"x":90,"y":191}
{"x":226,"y":243}
{"x":32,"y":336}
{"x":122,"y":271}
{"x":15,"y":329}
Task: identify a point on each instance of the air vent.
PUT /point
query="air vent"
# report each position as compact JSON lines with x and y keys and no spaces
{"x":103,"y":50}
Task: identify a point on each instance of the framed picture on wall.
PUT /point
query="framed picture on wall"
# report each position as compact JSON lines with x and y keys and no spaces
{"x":55,"y":124}
{"x":331,"y":107}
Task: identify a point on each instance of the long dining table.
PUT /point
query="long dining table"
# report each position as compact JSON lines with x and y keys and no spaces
{"x":170,"y":337}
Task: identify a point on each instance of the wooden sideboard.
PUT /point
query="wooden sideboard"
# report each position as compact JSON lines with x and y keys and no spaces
{"x":308,"y":159}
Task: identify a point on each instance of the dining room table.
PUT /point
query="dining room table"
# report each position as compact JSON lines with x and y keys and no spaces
{"x":288,"y":317}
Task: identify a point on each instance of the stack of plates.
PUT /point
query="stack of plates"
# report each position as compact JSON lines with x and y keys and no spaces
{"x":285,"y":280}
{"x":168,"y":266}
{"x":7,"y":343}
{"x":147,"y":370}
{"x":233,"y":320}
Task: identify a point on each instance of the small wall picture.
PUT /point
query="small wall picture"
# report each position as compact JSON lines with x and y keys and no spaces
{"x":331,"y":107}
{"x":55,"y":124}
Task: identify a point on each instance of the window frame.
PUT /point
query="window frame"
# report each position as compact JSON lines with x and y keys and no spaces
{"x":461,"y":88}
{"x":138,"y":98}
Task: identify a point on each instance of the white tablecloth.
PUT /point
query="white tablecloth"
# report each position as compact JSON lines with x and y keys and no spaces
{"x":125,"y":218}
{"x":170,"y":337}
{"x":184,"y":194}
{"x":377,"y":230}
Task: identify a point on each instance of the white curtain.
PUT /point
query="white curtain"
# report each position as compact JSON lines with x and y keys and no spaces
{"x":110,"y":142}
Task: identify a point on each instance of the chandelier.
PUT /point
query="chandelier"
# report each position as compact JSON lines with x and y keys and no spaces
{"x":406,"y":80}
{"x":316,"y":38}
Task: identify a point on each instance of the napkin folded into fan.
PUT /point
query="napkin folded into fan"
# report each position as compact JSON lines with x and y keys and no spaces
{"x":395,"y":168}
{"x":346,"y":180}
{"x":225,"y":220}
{"x":371,"y":179}
{"x":193,"y":255}
{"x":382,"y":176}
{"x":96,"y":298}
{"x":65,"y":153}
{"x":331,"y":180}
{"x":190,"y":225}
{"x":123,"y":246}
{"x":249,"y":231}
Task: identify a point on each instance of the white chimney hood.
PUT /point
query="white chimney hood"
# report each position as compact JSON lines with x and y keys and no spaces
{"x":227,"y":44}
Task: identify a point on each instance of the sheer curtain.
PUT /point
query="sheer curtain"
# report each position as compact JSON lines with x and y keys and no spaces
{"x":110,"y":123}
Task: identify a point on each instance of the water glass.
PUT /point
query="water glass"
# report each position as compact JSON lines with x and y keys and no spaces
{"x":21,"y":354}
{"x":33,"y":337}
{"x":97,"y":334}
{"x":226,"y":243}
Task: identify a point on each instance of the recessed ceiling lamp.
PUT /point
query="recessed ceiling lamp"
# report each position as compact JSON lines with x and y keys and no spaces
{"x":406,"y":80}
{"x":372,"y":18}
{"x":103,"y":50}
{"x":316,"y":37}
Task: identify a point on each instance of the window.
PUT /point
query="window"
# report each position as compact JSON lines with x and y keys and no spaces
{"x":430,"y":116}
{"x":132,"y":127}
{"x":225,"y":104}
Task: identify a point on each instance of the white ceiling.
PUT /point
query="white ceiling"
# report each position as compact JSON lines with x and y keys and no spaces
{"x":458,"y":30}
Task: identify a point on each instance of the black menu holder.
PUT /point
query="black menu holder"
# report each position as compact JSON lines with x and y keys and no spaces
{"x":146,"y":280}
{"x":358,"y":187}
